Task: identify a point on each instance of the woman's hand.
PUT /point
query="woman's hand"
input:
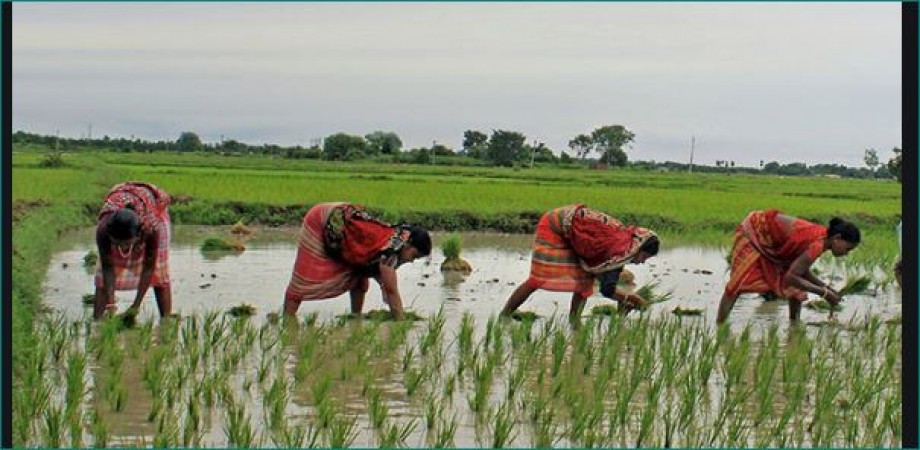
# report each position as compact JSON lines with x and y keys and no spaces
{"x":832,"y":296}
{"x":633,"y":301}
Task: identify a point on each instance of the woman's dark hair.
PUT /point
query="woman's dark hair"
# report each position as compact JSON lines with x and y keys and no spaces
{"x":650,"y":246}
{"x":124,"y":224}
{"x":846,"y":230}
{"x":419,"y":239}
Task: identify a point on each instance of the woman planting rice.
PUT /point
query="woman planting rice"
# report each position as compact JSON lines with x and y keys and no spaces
{"x":340,"y":246}
{"x":132,"y":235}
{"x":573,"y":245}
{"x":773,"y":252}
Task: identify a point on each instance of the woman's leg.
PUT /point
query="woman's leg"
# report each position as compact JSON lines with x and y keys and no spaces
{"x":357,"y":294}
{"x":578,"y":305}
{"x":290,"y":307}
{"x":163,"y":295}
{"x":517,"y":298}
{"x":725,"y":307}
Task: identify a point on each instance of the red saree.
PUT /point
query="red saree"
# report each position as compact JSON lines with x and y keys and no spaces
{"x":150,"y":203}
{"x":765,"y":247}
{"x":574,"y":243}
{"x":335,"y":242}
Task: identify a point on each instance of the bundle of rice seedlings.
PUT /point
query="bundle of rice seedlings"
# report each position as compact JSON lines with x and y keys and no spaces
{"x":240,"y":228}
{"x":605,"y":310}
{"x":243,"y":310}
{"x":822,"y":305}
{"x":856,"y":285}
{"x":212,"y":244}
{"x":89,"y":299}
{"x":89,"y":259}
{"x":687,"y":311}
{"x":381,"y":315}
{"x":648,"y":291}
{"x":451,"y":247}
{"x":524,"y":316}
{"x":129,"y":317}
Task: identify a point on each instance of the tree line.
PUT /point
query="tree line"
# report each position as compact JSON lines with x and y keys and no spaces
{"x":603,"y":147}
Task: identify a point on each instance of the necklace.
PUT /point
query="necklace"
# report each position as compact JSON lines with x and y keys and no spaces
{"x":123,"y":253}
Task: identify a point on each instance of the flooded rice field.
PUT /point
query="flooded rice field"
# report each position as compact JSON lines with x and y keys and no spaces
{"x":460,"y":377}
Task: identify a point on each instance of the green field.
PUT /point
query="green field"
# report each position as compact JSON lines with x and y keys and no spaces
{"x":685,"y":208}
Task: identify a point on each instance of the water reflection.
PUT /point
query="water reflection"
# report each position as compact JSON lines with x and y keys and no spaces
{"x":206,"y":281}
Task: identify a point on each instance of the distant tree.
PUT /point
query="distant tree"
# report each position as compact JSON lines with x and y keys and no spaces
{"x":383,"y":142}
{"x":771,"y":167}
{"x":581,"y":145}
{"x":505,"y":147}
{"x":338,"y":146}
{"x":187,"y":142}
{"x":564,"y":158}
{"x":609,"y":142}
{"x":474,"y":140}
{"x":233,"y":146}
{"x":793,"y":169}
{"x":871,"y":159}
{"x":894,"y":164}
{"x":441,"y":150}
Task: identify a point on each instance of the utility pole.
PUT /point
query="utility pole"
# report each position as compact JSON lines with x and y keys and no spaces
{"x":89,"y":132}
{"x":433,"y":144}
{"x":533,"y":152}
{"x":692,"y":145}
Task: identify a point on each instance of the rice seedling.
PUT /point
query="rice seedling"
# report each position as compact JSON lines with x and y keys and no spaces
{"x":445,"y":431}
{"x":237,"y":426}
{"x":559,"y":346}
{"x":99,"y":429}
{"x":650,"y":292}
{"x":343,"y":431}
{"x":648,"y":414}
{"x":414,"y":377}
{"x":855,"y":285}
{"x":192,"y":431}
{"x":54,"y":426}
{"x":544,"y":429}
{"x":433,"y":332}
{"x":89,"y":299}
{"x":502,"y":424}
{"x":394,"y":435}
{"x":167,"y":432}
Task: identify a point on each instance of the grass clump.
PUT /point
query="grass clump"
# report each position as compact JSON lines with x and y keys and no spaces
{"x":242,"y":310}
{"x":213,"y":244}
{"x":524,"y":316}
{"x":90,"y":258}
{"x":687,"y":311}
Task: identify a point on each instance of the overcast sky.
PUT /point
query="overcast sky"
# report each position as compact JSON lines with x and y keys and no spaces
{"x":756,"y":81}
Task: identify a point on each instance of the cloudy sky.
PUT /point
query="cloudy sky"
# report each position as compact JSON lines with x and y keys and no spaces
{"x":757,"y":81}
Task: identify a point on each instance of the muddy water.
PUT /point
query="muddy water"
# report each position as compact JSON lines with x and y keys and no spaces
{"x":259,"y":275}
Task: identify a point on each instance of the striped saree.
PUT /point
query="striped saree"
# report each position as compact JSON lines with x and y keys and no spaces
{"x":766,"y":244}
{"x":573,"y":244}
{"x":151,"y":204}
